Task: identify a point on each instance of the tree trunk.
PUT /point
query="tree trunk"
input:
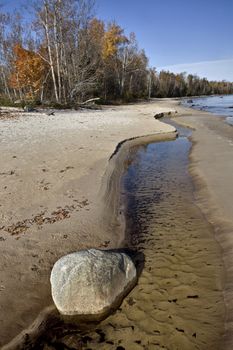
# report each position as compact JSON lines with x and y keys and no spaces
{"x":64,"y":66}
{"x":20,"y":90}
{"x":6,"y":85}
{"x":43,"y":86}
{"x":56,"y":39}
{"x":149,"y":85}
{"x":46,"y":27}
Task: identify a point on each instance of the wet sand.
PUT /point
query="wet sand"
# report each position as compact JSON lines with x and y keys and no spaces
{"x":46,"y":232}
{"x":211,"y":167}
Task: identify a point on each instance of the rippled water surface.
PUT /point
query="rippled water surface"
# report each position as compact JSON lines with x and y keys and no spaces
{"x":219,"y":105}
{"x":178,"y":302}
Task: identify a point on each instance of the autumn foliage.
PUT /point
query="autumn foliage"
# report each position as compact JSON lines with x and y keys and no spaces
{"x":66,"y":55}
{"x":28,"y":70}
{"x":113,"y":38}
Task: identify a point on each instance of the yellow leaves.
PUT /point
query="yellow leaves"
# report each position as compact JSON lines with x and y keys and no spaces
{"x":28,"y":70}
{"x":108,"y":40}
{"x":113,"y":37}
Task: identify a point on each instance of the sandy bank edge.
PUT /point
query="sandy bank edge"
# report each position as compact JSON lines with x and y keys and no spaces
{"x":113,"y":207}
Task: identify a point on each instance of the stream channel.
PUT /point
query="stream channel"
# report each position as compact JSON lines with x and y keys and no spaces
{"x":178,"y":301}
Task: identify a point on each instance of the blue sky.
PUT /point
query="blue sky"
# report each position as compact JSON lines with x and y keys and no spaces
{"x":192,"y":35}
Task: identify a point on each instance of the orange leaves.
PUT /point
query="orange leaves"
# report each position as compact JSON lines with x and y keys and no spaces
{"x":28,"y":71}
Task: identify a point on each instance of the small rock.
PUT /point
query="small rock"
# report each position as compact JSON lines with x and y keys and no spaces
{"x":159,"y":115}
{"x":17,"y":101}
{"x":29,"y":109}
{"x":91,"y":283}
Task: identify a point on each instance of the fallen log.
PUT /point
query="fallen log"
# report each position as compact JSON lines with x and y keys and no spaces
{"x":90,"y":100}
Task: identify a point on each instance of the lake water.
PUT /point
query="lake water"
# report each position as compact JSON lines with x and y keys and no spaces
{"x":219,"y":105}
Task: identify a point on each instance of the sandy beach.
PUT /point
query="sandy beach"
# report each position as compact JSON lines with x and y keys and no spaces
{"x":57,"y":189}
{"x":53,"y":181}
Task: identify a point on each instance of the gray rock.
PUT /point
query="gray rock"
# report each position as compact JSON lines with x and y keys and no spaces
{"x":91,"y":282}
{"x":17,"y":101}
{"x":29,"y":109}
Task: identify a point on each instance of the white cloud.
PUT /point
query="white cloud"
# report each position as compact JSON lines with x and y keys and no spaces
{"x":212,"y":70}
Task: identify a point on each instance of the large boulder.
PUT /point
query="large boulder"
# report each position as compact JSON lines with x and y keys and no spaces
{"x":91,"y":282}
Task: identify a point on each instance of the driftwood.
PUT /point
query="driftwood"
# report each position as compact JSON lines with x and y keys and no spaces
{"x":88,"y":104}
{"x":90,"y":100}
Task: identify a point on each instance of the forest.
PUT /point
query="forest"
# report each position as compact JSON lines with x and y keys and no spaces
{"x":57,"y":52}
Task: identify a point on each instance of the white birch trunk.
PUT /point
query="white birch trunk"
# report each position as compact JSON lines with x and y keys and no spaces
{"x":46,"y":27}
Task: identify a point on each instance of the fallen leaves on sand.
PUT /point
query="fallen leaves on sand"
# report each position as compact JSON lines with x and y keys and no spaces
{"x":10,"y":172}
{"x":34,"y":268}
{"x":67,"y":168}
{"x":82,"y":204}
{"x":41,"y":218}
{"x":104,"y":245}
{"x":19,"y":227}
{"x":60,"y":214}
{"x":44,"y":185}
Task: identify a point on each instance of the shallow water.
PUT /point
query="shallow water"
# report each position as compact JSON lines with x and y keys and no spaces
{"x":219,"y":105}
{"x":178,"y":301}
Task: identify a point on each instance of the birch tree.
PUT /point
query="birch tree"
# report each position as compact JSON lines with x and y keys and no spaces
{"x":4,"y":20}
{"x":63,"y":26}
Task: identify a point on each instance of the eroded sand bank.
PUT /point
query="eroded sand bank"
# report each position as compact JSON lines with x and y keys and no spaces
{"x":52,"y":172}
